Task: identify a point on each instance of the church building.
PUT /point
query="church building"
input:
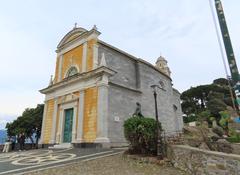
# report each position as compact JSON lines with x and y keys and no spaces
{"x":95,"y":89}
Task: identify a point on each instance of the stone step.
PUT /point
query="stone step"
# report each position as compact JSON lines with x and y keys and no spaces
{"x":61,"y":146}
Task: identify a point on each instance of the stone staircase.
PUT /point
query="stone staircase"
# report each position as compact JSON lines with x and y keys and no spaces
{"x":62,"y":146}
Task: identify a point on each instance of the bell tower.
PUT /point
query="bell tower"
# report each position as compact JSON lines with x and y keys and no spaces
{"x":161,"y":64}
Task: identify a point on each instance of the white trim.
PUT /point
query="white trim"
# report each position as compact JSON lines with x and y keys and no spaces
{"x":95,"y":56}
{"x":54,"y":122}
{"x":69,"y":67}
{"x":60,"y":68}
{"x":93,"y":35}
{"x":43,"y":122}
{"x":72,"y":46}
{"x":80,"y":117}
{"x":61,"y":113}
{"x":77,"y":43}
{"x":62,"y":117}
{"x":74,"y":124}
{"x":72,"y":88}
{"x":84,"y":57}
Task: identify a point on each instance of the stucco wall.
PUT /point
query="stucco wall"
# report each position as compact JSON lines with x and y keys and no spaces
{"x":131,"y":84}
{"x":122,"y":104}
{"x":148,"y":77}
{"x":125,"y":67}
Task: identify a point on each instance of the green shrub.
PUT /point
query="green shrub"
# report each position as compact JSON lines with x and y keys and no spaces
{"x":190,"y":118}
{"x":234,"y":139}
{"x":234,"y":136}
{"x":141,"y":132}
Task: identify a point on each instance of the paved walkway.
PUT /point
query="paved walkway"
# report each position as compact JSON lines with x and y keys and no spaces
{"x":18,"y":162}
{"x":110,"y":165}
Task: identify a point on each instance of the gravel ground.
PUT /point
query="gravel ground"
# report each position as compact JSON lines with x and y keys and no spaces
{"x":112,"y":165}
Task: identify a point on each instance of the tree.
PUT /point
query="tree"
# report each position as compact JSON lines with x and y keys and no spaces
{"x":221,"y":82}
{"x":30,"y":119}
{"x":194,"y":100}
{"x":212,"y":98}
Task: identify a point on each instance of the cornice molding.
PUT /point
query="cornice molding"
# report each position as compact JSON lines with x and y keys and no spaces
{"x":79,"y":77}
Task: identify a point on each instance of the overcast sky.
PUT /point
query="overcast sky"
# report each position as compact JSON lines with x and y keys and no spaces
{"x":180,"y":30}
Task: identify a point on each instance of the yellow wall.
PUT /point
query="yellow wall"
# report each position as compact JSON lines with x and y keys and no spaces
{"x":74,"y":57}
{"x":90,"y":115}
{"x":90,"y":44}
{"x":48,"y":121}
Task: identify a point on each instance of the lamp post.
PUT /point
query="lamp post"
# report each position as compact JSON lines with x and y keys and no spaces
{"x":159,"y":149}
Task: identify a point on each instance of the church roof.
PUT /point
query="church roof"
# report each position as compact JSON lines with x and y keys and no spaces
{"x":133,"y":57}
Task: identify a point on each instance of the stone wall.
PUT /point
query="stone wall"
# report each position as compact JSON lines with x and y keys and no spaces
{"x":122,"y":103}
{"x":199,"y":162}
{"x":132,"y":83}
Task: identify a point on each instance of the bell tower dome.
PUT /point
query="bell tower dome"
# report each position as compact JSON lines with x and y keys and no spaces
{"x":161,"y":64}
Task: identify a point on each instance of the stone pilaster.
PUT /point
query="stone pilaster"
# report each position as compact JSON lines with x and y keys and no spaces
{"x":54,"y":122}
{"x":60,"y":126}
{"x":95,"y":56}
{"x":80,"y":117}
{"x":43,"y":123}
{"x":60,"y":68}
{"x":74,"y":124}
{"x":84,"y":57}
{"x":102,"y":117}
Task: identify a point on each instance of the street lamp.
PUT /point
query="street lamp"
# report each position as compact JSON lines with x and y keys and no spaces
{"x":159,"y":140}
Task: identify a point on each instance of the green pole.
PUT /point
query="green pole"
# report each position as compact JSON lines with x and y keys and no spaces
{"x":229,"y":50}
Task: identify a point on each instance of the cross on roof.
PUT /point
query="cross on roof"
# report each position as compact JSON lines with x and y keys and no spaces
{"x":75,"y":25}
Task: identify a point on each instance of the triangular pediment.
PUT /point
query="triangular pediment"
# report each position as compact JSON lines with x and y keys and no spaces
{"x":72,"y":35}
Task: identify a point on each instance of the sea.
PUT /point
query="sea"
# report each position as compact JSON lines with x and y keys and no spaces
{"x":3,"y":137}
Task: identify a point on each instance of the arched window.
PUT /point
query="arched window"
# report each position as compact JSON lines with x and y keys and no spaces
{"x":72,"y":71}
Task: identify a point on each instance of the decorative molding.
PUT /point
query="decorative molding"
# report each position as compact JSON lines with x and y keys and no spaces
{"x":69,"y":67}
{"x":62,"y":117}
{"x":82,"y":38}
{"x":124,"y":87}
{"x":78,"y":32}
{"x":79,"y":81}
{"x":103,"y":60}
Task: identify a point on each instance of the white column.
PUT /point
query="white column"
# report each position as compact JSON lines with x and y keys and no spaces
{"x":74,"y":124}
{"x":60,"y":68}
{"x":84,"y":57}
{"x":43,"y":123}
{"x":60,"y":126}
{"x":95,"y":56}
{"x":54,"y":123}
{"x":80,"y":117}
{"x":102,"y":117}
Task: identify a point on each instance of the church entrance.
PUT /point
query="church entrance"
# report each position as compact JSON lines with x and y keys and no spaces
{"x":67,"y":136}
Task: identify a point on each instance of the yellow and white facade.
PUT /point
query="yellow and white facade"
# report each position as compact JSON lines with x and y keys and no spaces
{"x":76,"y":100}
